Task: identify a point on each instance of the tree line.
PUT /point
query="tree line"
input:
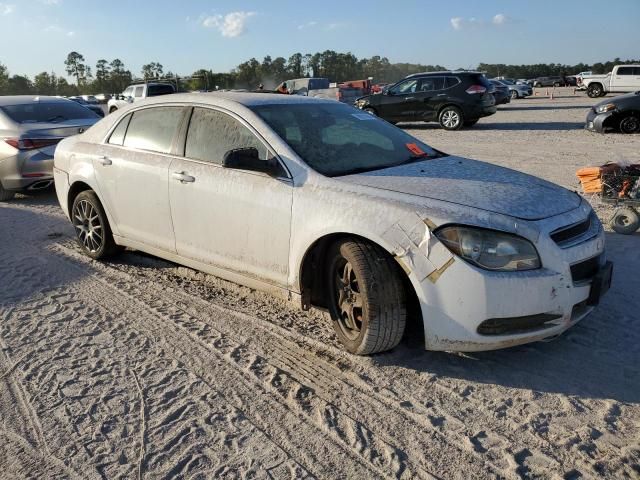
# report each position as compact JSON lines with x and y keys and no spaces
{"x":113,"y":76}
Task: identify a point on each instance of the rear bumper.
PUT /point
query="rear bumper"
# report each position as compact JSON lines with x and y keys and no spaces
{"x":31,"y":170}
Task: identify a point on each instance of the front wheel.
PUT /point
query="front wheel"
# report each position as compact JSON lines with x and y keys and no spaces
{"x":92,"y":227}
{"x":514,"y":94}
{"x":630,"y":124}
{"x":367,"y":300}
{"x":539,"y":85}
{"x":625,"y":221}
{"x":556,"y":84}
{"x":451,"y":118}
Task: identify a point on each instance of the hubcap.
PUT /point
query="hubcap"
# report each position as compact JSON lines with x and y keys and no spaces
{"x":450,"y":119}
{"x":631,"y":125}
{"x":623,"y":220}
{"x":349,"y":300}
{"x":88,"y":227}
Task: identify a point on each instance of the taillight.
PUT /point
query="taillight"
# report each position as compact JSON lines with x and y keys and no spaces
{"x":339,"y":95}
{"x":476,"y":89}
{"x":31,"y":143}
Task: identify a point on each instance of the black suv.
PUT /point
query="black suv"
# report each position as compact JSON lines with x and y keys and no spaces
{"x":453,"y":99}
{"x":549,"y":82}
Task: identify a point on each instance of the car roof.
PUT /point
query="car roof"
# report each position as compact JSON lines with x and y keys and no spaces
{"x":447,"y":72}
{"x":25,"y":99}
{"x":247,"y":99}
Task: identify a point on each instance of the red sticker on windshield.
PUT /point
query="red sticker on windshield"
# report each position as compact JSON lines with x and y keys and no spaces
{"x":415,"y":149}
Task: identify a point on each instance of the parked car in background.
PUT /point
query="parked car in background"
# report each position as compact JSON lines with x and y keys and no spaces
{"x":570,"y":81}
{"x":140,"y":91}
{"x":30,"y":129}
{"x":91,"y":99}
{"x":517,"y":90}
{"x":622,"y":79}
{"x":103,"y":97}
{"x":378,"y":87}
{"x":453,"y":99}
{"x":308,"y":199}
{"x":500,"y":92}
{"x":94,"y":107}
{"x":322,"y":88}
{"x":620,"y":113}
{"x":556,"y":81}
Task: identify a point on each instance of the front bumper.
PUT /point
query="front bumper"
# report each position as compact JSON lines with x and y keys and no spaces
{"x":464,"y":298}
{"x":596,"y":121}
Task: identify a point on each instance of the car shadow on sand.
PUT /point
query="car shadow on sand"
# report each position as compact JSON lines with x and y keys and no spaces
{"x":597,"y":358}
{"x":521,"y":126}
{"x":546,"y":107}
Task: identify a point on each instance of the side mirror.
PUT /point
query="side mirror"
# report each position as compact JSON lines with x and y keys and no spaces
{"x":249,"y":159}
{"x":129,"y":99}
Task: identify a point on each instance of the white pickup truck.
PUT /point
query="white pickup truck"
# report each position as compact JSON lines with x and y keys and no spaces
{"x":140,"y":91}
{"x":622,"y":79}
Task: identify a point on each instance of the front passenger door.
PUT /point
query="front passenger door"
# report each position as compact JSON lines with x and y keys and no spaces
{"x":399,"y":102}
{"x":237,"y":220}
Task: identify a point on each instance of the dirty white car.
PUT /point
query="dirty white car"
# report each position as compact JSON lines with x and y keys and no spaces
{"x":314,"y":200}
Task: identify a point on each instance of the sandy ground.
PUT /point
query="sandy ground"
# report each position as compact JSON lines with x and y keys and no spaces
{"x":140,"y":368}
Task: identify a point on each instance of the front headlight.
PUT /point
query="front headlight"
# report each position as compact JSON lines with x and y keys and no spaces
{"x":606,"y":108}
{"x":490,"y":249}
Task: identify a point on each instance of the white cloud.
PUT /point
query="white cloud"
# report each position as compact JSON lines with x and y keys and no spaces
{"x":51,"y":2}
{"x":336,"y":25}
{"x":500,"y":19}
{"x":456,"y":23}
{"x":230,"y":25}
{"x":6,"y":9}
{"x":71,"y":34}
{"x":307,"y":25}
{"x":59,"y":30}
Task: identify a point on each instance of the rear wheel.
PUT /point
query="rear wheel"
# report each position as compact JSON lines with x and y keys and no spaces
{"x":367,"y":299}
{"x":6,"y":195}
{"x":630,"y":124}
{"x":625,"y":221}
{"x":539,"y":85}
{"x":595,"y":90}
{"x":92,"y":227}
{"x":556,"y":84}
{"x":451,"y":118}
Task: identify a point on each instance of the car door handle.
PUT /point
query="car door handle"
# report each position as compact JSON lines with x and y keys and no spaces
{"x":105,"y":160}
{"x":408,"y":98}
{"x":442,"y":95}
{"x":183,"y":177}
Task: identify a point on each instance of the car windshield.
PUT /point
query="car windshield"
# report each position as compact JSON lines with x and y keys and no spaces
{"x":507,"y":82}
{"x":47,"y":112}
{"x":336,"y":139}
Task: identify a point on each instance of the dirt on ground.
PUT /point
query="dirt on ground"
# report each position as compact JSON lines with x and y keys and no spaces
{"x":137,"y":367}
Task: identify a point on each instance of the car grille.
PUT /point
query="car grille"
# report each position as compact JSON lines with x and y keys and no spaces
{"x":514,"y":325}
{"x":571,"y":235}
{"x":584,"y":271}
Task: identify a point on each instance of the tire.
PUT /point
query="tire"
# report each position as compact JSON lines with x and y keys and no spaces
{"x":6,"y":195}
{"x":595,"y":90}
{"x":471,"y":123}
{"x":92,"y":227}
{"x":370,"y":111}
{"x":625,"y":221}
{"x":539,"y":85}
{"x":630,"y":124}
{"x":556,"y":84}
{"x":514,"y":94}
{"x":451,"y":118}
{"x":367,"y":301}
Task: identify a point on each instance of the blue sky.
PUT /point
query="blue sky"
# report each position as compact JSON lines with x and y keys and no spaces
{"x":36,"y":35}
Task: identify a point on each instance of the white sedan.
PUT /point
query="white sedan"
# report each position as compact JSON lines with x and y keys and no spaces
{"x":316,"y":201}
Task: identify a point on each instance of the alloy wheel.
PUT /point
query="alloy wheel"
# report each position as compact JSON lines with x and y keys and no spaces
{"x":450,"y":119}
{"x":349,"y":299}
{"x":88,"y":226}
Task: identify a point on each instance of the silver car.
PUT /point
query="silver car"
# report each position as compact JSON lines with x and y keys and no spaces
{"x":30,"y":128}
{"x":517,"y":90}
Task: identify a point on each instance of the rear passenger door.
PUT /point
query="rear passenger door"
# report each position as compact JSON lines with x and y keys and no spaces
{"x":428,"y":95}
{"x":623,"y":80}
{"x":132,"y":171}
{"x":237,"y":220}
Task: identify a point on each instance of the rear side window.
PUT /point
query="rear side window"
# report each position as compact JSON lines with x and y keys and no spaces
{"x":155,"y":90}
{"x":212,"y":134}
{"x":625,"y":71}
{"x":117,"y":136}
{"x":138,"y":93}
{"x":153,"y":128}
{"x":452,"y":82}
{"x":431,"y":84}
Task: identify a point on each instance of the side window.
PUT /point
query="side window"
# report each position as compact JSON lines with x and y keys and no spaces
{"x":128,"y":92}
{"x":625,"y":71}
{"x":212,"y":134}
{"x":138,"y":93}
{"x":408,"y":86}
{"x":153,"y":128}
{"x":431,"y":84}
{"x":117,"y":136}
{"x":451,"y":82}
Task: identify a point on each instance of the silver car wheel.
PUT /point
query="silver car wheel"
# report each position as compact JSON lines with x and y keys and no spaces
{"x":350,"y":302}
{"x":88,"y":227}
{"x":451,"y":119}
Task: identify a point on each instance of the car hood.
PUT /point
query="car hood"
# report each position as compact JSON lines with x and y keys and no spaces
{"x":473,"y":184}
{"x":627,"y":98}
